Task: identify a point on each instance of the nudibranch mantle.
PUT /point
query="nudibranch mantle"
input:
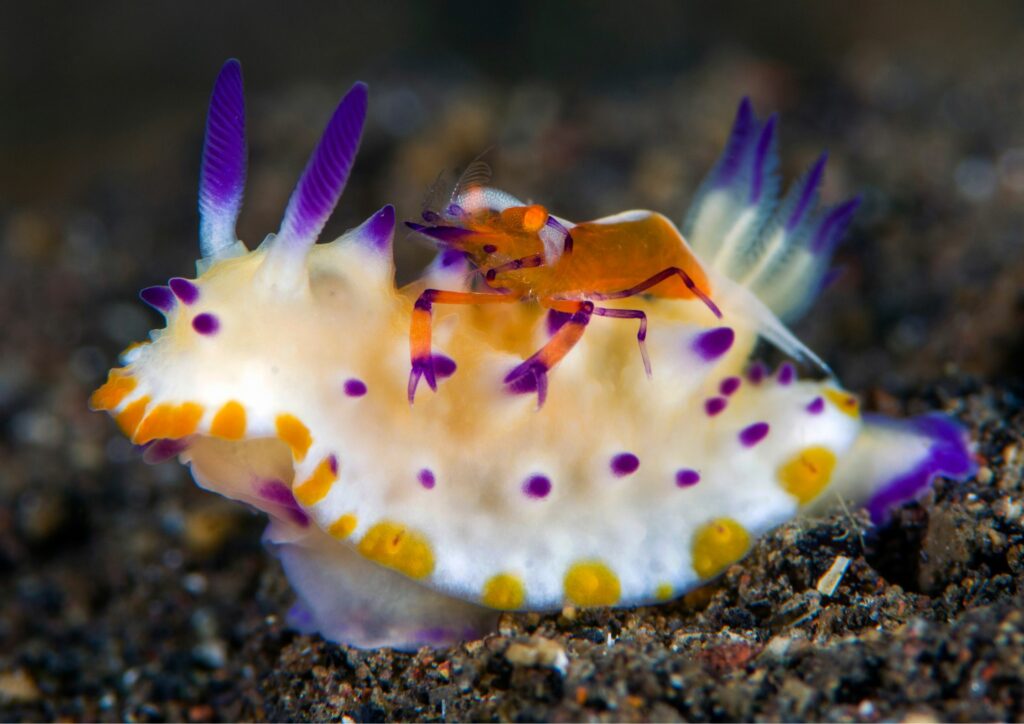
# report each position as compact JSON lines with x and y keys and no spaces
{"x":281,"y":380}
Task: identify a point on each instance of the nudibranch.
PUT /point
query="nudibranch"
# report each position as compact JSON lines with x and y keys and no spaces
{"x":546,"y":467}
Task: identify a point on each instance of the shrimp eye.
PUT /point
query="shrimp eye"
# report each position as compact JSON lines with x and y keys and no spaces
{"x":534,"y":218}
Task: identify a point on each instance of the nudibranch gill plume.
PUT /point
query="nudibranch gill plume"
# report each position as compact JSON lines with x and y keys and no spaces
{"x":598,"y":432}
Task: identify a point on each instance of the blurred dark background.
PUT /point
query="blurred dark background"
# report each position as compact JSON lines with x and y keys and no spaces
{"x":588,"y":107}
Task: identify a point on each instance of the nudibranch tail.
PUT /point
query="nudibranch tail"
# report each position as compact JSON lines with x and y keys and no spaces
{"x":222,"y":178}
{"x":780,"y":250}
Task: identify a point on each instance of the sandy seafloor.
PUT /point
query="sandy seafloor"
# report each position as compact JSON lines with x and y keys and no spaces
{"x":128,"y":593}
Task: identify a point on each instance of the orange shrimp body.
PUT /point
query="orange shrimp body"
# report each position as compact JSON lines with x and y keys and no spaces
{"x":523,"y":252}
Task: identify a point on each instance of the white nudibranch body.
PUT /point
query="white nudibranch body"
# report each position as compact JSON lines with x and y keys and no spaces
{"x":281,"y":379}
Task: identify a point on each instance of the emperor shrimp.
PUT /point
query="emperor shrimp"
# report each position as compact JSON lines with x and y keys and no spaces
{"x":282,"y":379}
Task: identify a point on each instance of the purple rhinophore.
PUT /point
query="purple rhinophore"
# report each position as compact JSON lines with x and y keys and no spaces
{"x":164,"y":449}
{"x":324,"y":177}
{"x":753,"y":434}
{"x":205,"y":323}
{"x":379,"y":229}
{"x":729,"y":385}
{"x":624,"y":464}
{"x":447,"y":234}
{"x":277,"y":492}
{"x":714,"y":405}
{"x":757,"y":372}
{"x":222,"y":175}
{"x":184,"y":290}
{"x":426,"y":478}
{"x":786,"y":373}
{"x":816,"y":406}
{"x":332,"y":463}
{"x":714,"y":343}
{"x":537,"y":486}
{"x":736,"y":147}
{"x":764,"y":144}
{"x":831,"y":228}
{"x":687,"y":477}
{"x":556,"y":319}
{"x":355,"y":387}
{"x":810,"y":187}
{"x":948,"y":455}
{"x":160,"y":298}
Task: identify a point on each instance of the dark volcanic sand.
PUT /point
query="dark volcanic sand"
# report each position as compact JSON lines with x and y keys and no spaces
{"x":127,"y":593}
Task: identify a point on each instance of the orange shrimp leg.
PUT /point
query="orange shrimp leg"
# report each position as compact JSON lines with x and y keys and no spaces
{"x":532,"y":374}
{"x":658,"y":279}
{"x":641,"y":335}
{"x":420,"y":329}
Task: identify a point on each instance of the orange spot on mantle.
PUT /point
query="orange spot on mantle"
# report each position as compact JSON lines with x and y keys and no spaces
{"x":130,"y":417}
{"x":119,"y":383}
{"x":169,"y":421}
{"x":316,"y":487}
{"x":229,"y":422}
{"x":291,"y":430}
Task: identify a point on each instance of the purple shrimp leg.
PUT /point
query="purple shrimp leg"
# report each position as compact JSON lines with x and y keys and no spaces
{"x":641,"y":335}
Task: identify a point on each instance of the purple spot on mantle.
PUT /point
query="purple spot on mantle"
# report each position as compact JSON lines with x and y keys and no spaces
{"x":160,"y":298}
{"x":714,"y":405}
{"x":426,"y":478}
{"x":816,"y":406}
{"x":556,"y":319}
{"x":625,"y":464}
{"x":753,"y":434}
{"x":380,"y":227}
{"x":537,"y":486}
{"x":756,"y":372}
{"x":687,"y":477}
{"x":205,"y":323}
{"x":729,"y":385}
{"x":787,"y":373}
{"x":184,"y":290}
{"x":355,"y":387}
{"x":332,"y":463}
{"x":714,"y":343}
{"x":277,"y":492}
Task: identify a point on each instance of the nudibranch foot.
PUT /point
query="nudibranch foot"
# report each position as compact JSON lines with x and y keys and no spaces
{"x":282,"y":378}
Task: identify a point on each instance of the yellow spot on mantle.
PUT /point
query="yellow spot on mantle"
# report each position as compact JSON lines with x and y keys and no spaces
{"x":845,"y":401}
{"x":591,"y":583}
{"x":318,"y":484}
{"x":504,"y":591}
{"x":130,"y":417}
{"x":717,"y":545}
{"x":115,"y":389}
{"x":169,"y":421}
{"x":229,"y":423}
{"x":295,"y":434}
{"x":395,"y":546}
{"x":343,"y":526}
{"x":664,"y":591}
{"x":807,"y":473}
